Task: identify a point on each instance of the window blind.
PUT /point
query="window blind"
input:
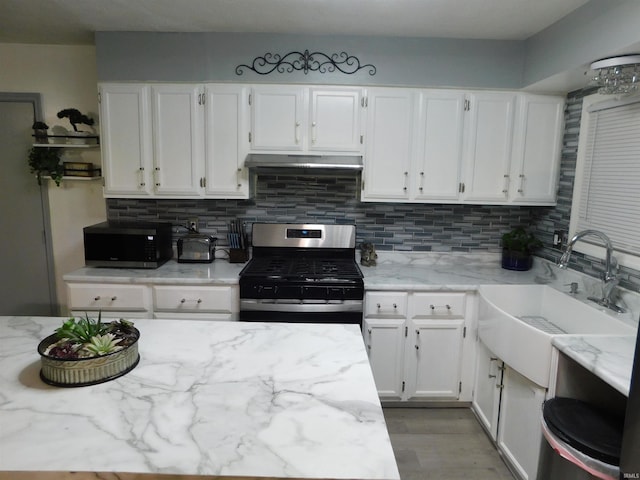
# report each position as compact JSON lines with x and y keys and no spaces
{"x":610,"y":187}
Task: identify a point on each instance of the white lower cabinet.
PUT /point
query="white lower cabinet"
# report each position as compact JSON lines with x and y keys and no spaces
{"x":509,"y":406}
{"x":207,"y":302}
{"x":169,"y":300}
{"x":416,"y":343}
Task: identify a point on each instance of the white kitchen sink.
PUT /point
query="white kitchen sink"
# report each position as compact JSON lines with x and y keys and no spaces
{"x":518,"y":322}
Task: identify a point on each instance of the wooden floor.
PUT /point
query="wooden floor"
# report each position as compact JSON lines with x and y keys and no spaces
{"x":442,"y":443}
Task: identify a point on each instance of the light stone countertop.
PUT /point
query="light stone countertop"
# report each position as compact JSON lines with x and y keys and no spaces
{"x":239,"y":400}
{"x":435,"y":272}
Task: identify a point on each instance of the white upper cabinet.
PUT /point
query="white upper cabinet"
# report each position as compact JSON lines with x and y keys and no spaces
{"x":536,"y":155}
{"x":178,"y":138}
{"x":278,"y":119}
{"x":488,"y":144}
{"x":436,"y":175}
{"x":226,"y":142}
{"x":174,"y":140}
{"x":389,"y":147}
{"x":127,"y":153}
{"x":335,"y":120}
{"x":290,"y":118}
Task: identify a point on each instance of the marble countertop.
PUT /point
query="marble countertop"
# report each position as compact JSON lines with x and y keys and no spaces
{"x":239,"y":400}
{"x":219,"y":272}
{"x":609,"y":357}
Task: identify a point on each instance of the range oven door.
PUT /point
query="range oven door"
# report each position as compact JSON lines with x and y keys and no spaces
{"x":264,"y":310}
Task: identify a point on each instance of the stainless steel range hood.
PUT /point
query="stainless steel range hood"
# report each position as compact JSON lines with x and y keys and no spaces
{"x":318,"y":164}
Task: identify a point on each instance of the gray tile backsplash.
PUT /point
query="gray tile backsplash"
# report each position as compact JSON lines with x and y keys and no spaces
{"x":390,"y":226}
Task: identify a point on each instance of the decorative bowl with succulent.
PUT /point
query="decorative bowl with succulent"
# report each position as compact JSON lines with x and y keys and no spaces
{"x":86,"y":351}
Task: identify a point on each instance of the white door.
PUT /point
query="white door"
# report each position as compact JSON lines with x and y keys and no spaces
{"x":488,"y":145}
{"x":125,"y":139}
{"x":486,"y":390}
{"x":389,"y":146}
{"x":520,"y":431}
{"x":178,"y":138}
{"x":226,"y":141}
{"x":384,"y":339}
{"x":433,"y":358}
{"x":278,"y":118}
{"x":335,"y":120}
{"x":437,"y":169}
{"x":536,"y":165}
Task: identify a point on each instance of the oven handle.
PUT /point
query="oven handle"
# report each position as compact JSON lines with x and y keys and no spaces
{"x":274,"y":306}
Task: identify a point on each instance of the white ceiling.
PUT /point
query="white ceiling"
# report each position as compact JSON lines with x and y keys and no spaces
{"x":75,"y":21}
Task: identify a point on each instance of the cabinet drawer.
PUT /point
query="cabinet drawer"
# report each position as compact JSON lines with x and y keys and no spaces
{"x":438,"y":305}
{"x":385,"y":304}
{"x":194,"y":299}
{"x":108,"y":297}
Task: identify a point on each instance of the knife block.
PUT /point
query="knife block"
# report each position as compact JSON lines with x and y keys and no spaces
{"x":238,"y":255}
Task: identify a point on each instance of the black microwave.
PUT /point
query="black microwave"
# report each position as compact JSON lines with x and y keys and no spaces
{"x":127,"y":244}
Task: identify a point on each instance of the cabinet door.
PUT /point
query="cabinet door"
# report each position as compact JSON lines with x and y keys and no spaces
{"x":125,"y":131}
{"x":389,"y":148}
{"x":536,"y":164}
{"x":226,"y":141}
{"x":178,"y":139}
{"x":278,"y":118}
{"x":433,"y":358}
{"x":335,"y":120}
{"x":520,"y":432}
{"x":384,"y":339}
{"x":488,"y":144}
{"x":486,"y":391}
{"x":437,"y":170}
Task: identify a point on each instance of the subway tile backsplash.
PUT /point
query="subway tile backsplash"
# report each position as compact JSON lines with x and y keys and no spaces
{"x":309,"y":199}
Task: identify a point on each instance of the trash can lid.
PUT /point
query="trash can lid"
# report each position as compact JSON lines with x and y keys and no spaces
{"x":586,"y":428}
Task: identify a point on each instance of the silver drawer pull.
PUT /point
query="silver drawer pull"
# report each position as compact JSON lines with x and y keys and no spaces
{"x":114,"y":298}
{"x":199,"y":300}
{"x":433,"y":307}
{"x":378,"y":306}
{"x":96,"y":298}
{"x":395,"y":306}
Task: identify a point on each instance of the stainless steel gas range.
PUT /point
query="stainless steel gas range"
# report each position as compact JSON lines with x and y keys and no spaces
{"x":302,"y":273}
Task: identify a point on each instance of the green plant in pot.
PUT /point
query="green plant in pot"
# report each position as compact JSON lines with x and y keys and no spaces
{"x":517,"y":248}
{"x":46,"y":161}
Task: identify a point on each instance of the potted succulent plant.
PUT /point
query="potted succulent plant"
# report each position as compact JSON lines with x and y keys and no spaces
{"x":46,"y":161}
{"x":86,"y":351}
{"x":517,"y":248}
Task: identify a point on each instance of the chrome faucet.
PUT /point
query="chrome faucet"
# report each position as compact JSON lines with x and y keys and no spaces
{"x":609,"y":279}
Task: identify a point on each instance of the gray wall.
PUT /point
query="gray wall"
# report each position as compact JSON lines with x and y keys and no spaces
{"x":202,"y":57}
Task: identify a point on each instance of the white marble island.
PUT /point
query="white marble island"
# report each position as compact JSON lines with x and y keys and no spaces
{"x":211,"y":399}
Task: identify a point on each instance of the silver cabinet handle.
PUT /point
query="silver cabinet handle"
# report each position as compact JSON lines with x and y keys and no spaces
{"x":141,"y":173}
{"x":296,"y":132}
{"x":96,"y":298}
{"x":184,"y":300}
{"x":114,"y":298}
{"x":378,"y":305}
{"x":505,"y":189}
{"x":406,"y":177}
{"x":238,"y":172}
{"x":156,"y":171}
{"x":421,"y":182}
{"x":395,"y":307}
{"x":433,"y":307}
{"x":521,"y":188}
{"x":313,"y":133}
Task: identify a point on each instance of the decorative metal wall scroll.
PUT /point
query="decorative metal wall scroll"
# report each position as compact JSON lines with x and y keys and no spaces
{"x":306,"y":62}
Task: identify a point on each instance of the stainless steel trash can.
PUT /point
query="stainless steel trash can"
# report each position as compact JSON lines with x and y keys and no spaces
{"x":580,"y":442}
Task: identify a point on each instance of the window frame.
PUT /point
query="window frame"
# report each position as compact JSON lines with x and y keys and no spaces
{"x":623,"y":258}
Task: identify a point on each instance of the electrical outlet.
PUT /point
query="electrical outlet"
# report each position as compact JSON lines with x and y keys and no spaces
{"x":559,"y":238}
{"x":192,"y":224}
